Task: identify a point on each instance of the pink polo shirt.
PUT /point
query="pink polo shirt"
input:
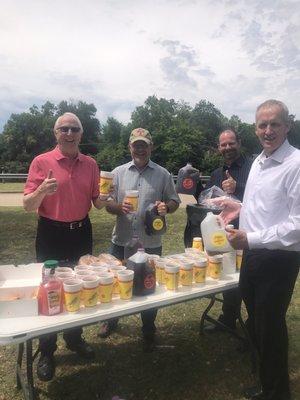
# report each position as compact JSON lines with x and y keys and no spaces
{"x":78,"y":184}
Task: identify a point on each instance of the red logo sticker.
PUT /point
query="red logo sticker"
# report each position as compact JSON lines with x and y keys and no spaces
{"x":188,"y":183}
{"x":149,"y":282}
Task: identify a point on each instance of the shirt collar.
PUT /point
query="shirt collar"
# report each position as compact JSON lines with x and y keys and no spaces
{"x":278,"y":155}
{"x":59,"y":155}
{"x":150,"y":164}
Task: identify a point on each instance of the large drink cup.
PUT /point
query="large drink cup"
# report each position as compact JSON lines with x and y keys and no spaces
{"x":172,"y":276}
{"x":115,"y":270}
{"x":200,"y":267}
{"x":160,"y":271}
{"x":215,"y":266}
{"x":90,"y":290}
{"x":125,"y":279}
{"x":186,"y":273}
{"x":132,"y":197}
{"x":106,"y":281}
{"x":72,"y":294}
{"x":197,"y":243}
{"x":105,"y":185}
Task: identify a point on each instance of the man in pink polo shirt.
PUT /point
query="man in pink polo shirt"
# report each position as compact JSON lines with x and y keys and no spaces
{"x":62,"y":185}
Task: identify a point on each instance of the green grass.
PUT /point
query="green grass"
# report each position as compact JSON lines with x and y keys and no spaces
{"x":11,"y":187}
{"x":188,"y":367}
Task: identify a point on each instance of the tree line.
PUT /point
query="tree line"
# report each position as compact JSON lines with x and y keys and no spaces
{"x":180,"y":133}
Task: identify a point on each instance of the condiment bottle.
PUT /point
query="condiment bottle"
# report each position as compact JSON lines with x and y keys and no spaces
{"x":50,"y":291}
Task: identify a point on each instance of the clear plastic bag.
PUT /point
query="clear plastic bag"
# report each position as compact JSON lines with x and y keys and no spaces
{"x":206,"y":195}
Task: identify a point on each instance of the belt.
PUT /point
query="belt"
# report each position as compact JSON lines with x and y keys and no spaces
{"x":66,"y":225}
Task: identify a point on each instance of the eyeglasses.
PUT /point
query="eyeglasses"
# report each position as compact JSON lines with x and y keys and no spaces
{"x":66,"y":129}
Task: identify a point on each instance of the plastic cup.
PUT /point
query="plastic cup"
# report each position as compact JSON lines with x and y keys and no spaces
{"x":197,"y":243}
{"x":90,"y":295}
{"x":106,"y":282}
{"x":172,"y":276}
{"x":85,"y":272}
{"x":115,"y":270}
{"x":125,"y":279}
{"x":105,"y":185}
{"x":72,"y":291}
{"x":152,"y":258}
{"x":63,"y":276}
{"x":132,"y":197}
{"x":63,"y":269}
{"x":160,"y":271}
{"x":82,"y":267}
{"x":98,"y":270}
{"x":239,"y":258}
{"x":186,"y":274}
{"x":200,"y":267}
{"x":215,"y":266}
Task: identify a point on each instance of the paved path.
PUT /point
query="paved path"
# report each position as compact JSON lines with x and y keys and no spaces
{"x":11,"y":199}
{"x":15,"y":199}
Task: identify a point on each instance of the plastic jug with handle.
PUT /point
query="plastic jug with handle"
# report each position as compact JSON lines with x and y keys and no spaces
{"x":214,"y":234}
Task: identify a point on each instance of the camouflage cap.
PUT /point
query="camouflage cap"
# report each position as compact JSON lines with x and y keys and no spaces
{"x":140,"y":134}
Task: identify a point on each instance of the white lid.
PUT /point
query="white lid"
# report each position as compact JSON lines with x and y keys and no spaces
{"x":201,"y":262}
{"x":126,"y":275}
{"x":172,"y":268}
{"x":72,"y":285}
{"x":187,"y":265}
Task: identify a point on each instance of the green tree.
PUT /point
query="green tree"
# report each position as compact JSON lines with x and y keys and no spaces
{"x":28,"y":134}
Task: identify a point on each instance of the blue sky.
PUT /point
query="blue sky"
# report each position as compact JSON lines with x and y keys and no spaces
{"x":235,"y":54}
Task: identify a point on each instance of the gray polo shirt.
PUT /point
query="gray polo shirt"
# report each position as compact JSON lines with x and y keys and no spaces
{"x":154,"y":183}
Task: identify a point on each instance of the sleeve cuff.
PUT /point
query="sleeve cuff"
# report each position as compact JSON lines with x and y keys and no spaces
{"x":254,"y":240}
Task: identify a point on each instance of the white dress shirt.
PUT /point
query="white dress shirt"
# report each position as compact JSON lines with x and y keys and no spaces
{"x":271,"y":207}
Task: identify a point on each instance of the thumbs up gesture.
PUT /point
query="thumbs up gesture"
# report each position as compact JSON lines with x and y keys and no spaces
{"x":49,"y":184}
{"x":229,"y":184}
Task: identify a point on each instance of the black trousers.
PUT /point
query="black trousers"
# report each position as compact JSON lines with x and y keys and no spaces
{"x":147,"y":316}
{"x":64,"y":245}
{"x":267,"y":282}
{"x":231,"y":307}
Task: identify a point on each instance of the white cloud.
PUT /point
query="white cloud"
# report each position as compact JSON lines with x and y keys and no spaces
{"x":116,"y":53}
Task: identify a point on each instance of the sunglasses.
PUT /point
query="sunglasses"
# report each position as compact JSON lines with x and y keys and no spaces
{"x":66,"y":129}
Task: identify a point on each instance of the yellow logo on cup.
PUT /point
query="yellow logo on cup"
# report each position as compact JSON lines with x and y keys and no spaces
{"x":199,"y":274}
{"x":215,"y":270}
{"x":105,"y":292}
{"x":186,"y":277}
{"x":157,"y":224}
{"x":72,"y":301}
{"x":90,"y":296}
{"x":219,"y":239}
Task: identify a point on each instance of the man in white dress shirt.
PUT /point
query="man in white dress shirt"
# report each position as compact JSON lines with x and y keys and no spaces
{"x":269,"y":233}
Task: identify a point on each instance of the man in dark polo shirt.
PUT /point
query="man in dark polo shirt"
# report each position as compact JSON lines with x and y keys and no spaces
{"x":231,"y":178}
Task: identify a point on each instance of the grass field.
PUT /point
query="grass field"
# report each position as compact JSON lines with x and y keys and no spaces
{"x":187,"y":367}
{"x":14,"y":187}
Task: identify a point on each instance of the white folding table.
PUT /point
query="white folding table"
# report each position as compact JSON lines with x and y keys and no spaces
{"x":23,"y":330}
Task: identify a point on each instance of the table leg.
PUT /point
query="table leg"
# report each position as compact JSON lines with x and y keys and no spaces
{"x":205,"y":313}
{"x":25,"y":381}
{"x":19,"y":364}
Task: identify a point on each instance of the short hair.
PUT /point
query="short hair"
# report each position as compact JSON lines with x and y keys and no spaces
{"x":276,"y":103}
{"x":68,"y":114}
{"x":229,"y":129}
